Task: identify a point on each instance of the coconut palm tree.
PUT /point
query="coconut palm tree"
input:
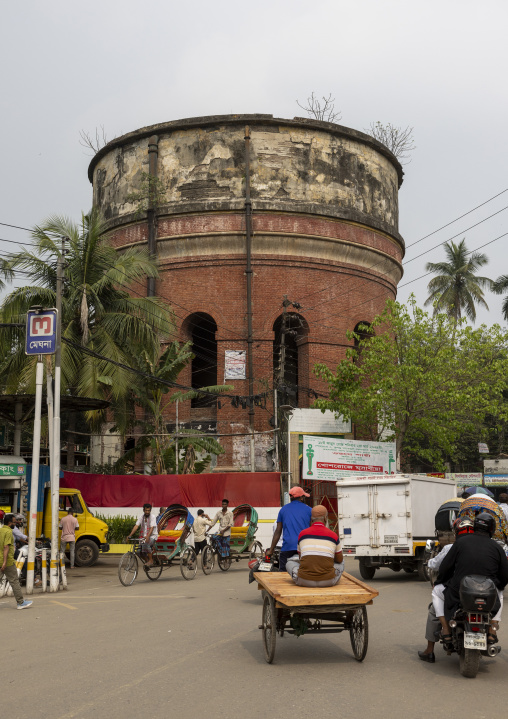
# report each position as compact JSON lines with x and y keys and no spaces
{"x":500,"y":286}
{"x":457,"y":288}
{"x":155,"y":397}
{"x":98,"y":313}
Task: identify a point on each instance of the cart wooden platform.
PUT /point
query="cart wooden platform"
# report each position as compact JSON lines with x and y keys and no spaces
{"x":322,"y":610}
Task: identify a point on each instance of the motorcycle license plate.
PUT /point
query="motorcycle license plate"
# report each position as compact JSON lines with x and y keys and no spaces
{"x":264,"y":567}
{"x":472,"y":640}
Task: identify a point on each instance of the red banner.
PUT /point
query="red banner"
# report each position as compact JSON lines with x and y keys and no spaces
{"x":260,"y":489}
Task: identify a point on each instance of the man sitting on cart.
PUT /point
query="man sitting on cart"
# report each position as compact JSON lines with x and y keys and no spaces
{"x":147,"y":532}
{"x":319,"y":562}
{"x":226,"y":521}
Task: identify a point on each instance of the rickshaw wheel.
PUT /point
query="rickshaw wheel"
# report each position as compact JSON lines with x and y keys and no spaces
{"x":269,"y":628}
{"x":128,"y":569}
{"x":188,"y":563}
{"x":256,"y":551}
{"x":224,"y":563}
{"x":359,"y":633}
{"x":207,"y":560}
{"x":153,"y":572}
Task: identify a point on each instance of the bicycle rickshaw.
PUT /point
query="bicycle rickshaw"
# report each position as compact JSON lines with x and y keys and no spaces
{"x":170,"y":548}
{"x":243,"y":543}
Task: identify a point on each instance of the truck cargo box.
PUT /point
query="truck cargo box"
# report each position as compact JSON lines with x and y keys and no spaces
{"x":387,"y":519}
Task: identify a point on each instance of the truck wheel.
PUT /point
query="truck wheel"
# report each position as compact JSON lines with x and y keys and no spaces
{"x":423,"y":571}
{"x":87,"y":553}
{"x":365,"y":571}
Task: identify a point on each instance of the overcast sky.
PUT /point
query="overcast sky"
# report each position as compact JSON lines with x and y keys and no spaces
{"x":437,"y":66}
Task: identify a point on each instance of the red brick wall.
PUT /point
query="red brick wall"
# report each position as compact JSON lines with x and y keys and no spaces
{"x":335,"y":296}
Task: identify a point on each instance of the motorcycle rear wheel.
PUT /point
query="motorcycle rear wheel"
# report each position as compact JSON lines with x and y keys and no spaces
{"x":469,"y":662}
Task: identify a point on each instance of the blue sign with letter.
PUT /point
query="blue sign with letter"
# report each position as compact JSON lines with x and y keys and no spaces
{"x":41,"y":332}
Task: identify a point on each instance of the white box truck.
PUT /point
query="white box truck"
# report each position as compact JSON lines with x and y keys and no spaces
{"x":385,"y":521}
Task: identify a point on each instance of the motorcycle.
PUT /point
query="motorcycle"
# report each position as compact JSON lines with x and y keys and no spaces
{"x":40,"y":544}
{"x":470,"y":623}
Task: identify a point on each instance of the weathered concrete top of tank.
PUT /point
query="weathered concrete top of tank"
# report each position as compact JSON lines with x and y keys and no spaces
{"x":190,"y":122}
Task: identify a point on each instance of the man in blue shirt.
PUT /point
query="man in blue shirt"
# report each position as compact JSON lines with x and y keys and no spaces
{"x":291,"y":520}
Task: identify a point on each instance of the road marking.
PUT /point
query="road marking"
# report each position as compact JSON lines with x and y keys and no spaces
{"x":68,"y":606}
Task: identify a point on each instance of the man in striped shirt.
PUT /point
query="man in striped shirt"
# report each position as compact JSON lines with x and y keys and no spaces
{"x":319,"y":562}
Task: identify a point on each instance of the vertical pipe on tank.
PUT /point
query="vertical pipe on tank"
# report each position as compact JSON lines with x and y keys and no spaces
{"x":153,"y":154}
{"x":248,"y":272}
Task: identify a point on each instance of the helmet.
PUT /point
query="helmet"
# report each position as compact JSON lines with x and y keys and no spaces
{"x":2,"y":515}
{"x":463,"y":525}
{"x":485,"y":522}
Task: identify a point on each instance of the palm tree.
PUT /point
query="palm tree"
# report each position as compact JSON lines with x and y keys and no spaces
{"x":98,"y":312}
{"x":154,"y":397}
{"x":500,"y":286}
{"x":457,"y":287}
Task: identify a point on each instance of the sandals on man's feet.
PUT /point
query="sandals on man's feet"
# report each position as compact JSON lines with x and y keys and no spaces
{"x":492,"y":639}
{"x":447,"y":642}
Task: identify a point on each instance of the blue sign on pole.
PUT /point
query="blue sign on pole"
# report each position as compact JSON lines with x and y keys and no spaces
{"x":41,"y":332}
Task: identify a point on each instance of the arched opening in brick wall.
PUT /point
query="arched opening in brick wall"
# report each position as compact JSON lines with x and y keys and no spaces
{"x":290,"y":332}
{"x":363,"y":331}
{"x":201,"y":330}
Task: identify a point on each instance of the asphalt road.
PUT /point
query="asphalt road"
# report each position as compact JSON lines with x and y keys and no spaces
{"x":177,"y":648}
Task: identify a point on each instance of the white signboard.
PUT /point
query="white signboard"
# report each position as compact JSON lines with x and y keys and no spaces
{"x":313,"y":421}
{"x":234,"y":364}
{"x":465,"y":479}
{"x":483,"y":448}
{"x":330,"y":458}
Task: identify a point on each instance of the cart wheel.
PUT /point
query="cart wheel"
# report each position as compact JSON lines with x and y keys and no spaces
{"x":128,"y":569}
{"x":207,"y":560}
{"x":153,"y":572}
{"x":224,"y":563}
{"x":359,"y":633}
{"x":188,"y":563}
{"x":269,"y":628}
{"x":257,"y":551}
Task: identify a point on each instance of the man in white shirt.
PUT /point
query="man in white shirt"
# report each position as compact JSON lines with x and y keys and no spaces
{"x":503,"y":504}
{"x":148,"y":534}
{"x":226,"y":521}
{"x":433,"y":628}
{"x":200,"y":525}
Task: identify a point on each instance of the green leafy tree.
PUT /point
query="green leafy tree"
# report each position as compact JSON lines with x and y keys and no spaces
{"x":154,"y":397}
{"x":98,"y":312}
{"x":457,"y":288}
{"x":422,"y":381}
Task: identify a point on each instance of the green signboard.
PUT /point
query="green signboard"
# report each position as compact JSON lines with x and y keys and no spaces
{"x":12,"y":470}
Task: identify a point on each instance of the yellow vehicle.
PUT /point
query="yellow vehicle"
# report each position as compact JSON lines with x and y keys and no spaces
{"x":92,"y":533}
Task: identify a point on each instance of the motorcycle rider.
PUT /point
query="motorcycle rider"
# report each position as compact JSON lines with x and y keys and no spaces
{"x":461,"y":527}
{"x":476,"y":555}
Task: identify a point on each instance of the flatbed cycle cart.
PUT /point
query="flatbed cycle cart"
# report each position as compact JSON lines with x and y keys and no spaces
{"x":319,"y":610}
{"x":170,"y":548}
{"x":243,"y":544}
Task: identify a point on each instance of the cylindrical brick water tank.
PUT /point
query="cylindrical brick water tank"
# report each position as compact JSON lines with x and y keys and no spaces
{"x":324,"y":234}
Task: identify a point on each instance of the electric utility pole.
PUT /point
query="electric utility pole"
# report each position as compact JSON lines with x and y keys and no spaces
{"x":55,"y":468}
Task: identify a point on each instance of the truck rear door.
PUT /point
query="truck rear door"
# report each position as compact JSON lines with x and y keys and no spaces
{"x":392,"y":513}
{"x":354,"y":512}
